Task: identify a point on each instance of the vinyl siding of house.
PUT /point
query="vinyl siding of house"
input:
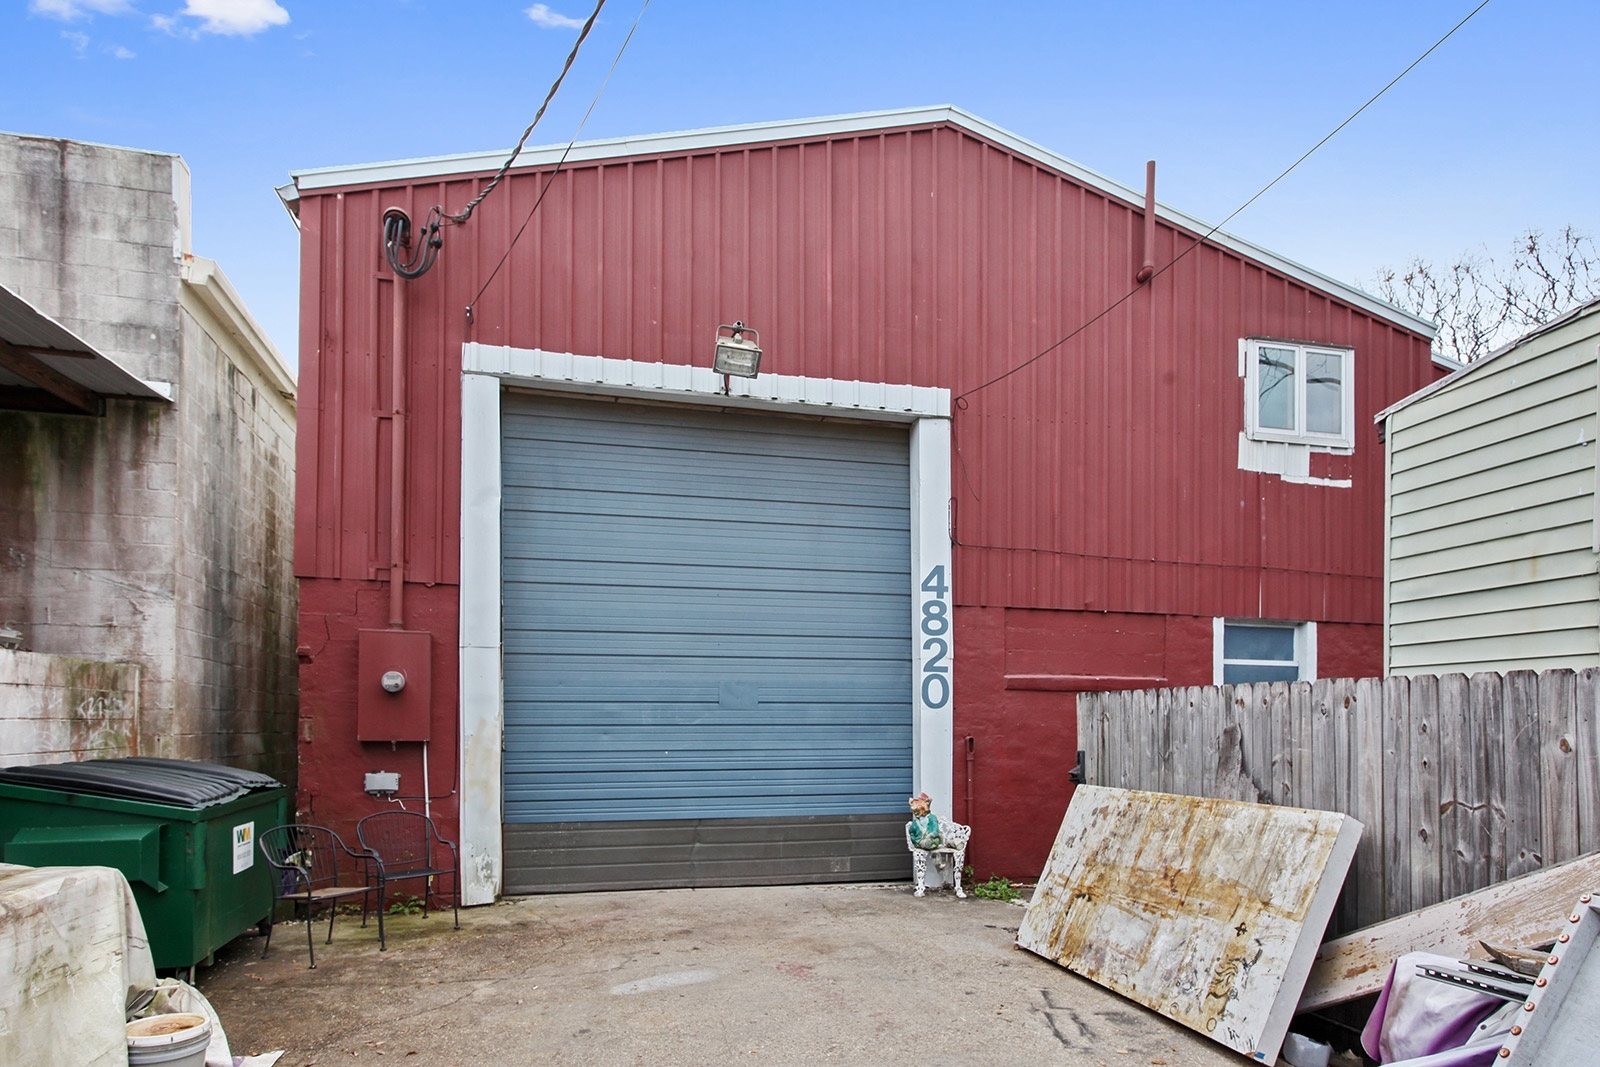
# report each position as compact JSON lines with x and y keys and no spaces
{"x":1491,"y":524}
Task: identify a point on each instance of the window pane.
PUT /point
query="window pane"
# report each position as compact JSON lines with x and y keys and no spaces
{"x":1275,"y":384}
{"x":1257,"y":642}
{"x":1324,"y":392}
{"x":1239,"y":673}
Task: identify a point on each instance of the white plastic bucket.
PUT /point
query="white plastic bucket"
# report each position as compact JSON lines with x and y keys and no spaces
{"x":178,"y":1039}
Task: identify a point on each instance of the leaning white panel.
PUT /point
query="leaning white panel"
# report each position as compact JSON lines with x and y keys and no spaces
{"x":1207,"y":911}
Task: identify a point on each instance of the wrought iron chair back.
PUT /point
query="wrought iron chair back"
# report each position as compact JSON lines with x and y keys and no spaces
{"x":409,"y":846}
{"x":312,"y":866}
{"x":305,"y":855}
{"x":403,"y":840}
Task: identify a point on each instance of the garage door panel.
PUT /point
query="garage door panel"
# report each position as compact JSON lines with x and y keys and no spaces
{"x":718,"y":800}
{"x":554,"y":716}
{"x":691,"y":523}
{"x":703,"y":612}
{"x":684,"y":476}
{"x":707,"y":623}
{"x":596,"y":577}
{"x":549,"y":420}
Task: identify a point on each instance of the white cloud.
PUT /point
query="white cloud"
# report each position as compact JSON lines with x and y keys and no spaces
{"x":231,"y":17}
{"x":122,"y":53}
{"x":76,"y":9}
{"x":550,"y":20}
{"x":80,"y":42}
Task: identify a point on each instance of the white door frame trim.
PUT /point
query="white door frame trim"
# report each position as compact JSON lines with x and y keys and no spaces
{"x":485,"y":372}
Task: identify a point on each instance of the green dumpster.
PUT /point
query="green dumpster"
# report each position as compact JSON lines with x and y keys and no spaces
{"x":183,"y":833}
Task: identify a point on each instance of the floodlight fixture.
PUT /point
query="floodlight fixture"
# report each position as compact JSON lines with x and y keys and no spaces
{"x":736,"y":354}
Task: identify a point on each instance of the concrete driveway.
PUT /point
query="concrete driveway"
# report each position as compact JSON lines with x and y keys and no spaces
{"x":847,"y":974}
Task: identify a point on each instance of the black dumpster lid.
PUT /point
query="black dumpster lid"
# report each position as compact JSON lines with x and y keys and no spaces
{"x":181,"y":783}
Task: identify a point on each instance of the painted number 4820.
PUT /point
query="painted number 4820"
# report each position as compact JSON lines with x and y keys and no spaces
{"x":935,"y":629}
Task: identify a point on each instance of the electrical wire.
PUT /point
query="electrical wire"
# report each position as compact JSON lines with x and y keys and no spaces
{"x":397,"y":224}
{"x":559,"y":164}
{"x":466,"y":212}
{"x":961,"y":399}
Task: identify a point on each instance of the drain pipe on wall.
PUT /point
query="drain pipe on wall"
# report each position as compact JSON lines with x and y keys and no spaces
{"x":971,"y":744}
{"x":1148,"y":269}
{"x":397,"y":463}
{"x":397,"y":494}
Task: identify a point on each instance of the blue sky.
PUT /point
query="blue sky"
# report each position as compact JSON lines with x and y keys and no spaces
{"x":1495,"y":132}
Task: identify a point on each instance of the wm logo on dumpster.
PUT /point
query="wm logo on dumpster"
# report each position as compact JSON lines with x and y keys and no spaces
{"x":244,"y":851}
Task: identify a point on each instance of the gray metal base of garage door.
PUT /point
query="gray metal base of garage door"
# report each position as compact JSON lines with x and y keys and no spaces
{"x":701,"y":853}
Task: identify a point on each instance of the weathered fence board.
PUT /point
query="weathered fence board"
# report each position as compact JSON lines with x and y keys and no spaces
{"x":1524,"y":852}
{"x":1396,"y":795}
{"x":1586,"y":727}
{"x":1424,"y":792}
{"x":1368,"y":789}
{"x":1558,"y":799}
{"x":1462,"y":783}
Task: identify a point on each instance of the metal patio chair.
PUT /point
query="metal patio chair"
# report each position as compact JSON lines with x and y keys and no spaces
{"x":408,"y":846}
{"x":313,"y":867}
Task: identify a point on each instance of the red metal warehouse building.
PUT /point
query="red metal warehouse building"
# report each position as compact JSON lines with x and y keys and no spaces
{"x":661,"y":628}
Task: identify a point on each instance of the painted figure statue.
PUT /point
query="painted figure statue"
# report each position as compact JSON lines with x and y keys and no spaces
{"x":944,"y":841}
{"x":924,"y":830}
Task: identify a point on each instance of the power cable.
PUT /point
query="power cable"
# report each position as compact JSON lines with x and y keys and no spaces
{"x":960,"y":400}
{"x":559,"y":163}
{"x":397,"y":224}
{"x":466,"y":212}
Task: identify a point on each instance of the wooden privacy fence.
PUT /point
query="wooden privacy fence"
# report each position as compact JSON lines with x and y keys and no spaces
{"x":1460,"y":782}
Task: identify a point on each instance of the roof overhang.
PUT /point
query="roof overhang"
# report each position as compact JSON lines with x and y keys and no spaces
{"x":1464,"y":369}
{"x":46,"y":367}
{"x":411,"y":170}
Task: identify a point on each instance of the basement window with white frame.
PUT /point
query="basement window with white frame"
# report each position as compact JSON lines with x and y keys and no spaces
{"x":1299,"y":393}
{"x":1251,"y":650}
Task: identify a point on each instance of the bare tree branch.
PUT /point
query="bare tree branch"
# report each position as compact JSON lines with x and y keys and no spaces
{"x":1480,"y":307}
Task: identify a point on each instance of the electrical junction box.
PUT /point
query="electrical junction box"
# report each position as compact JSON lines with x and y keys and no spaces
{"x":382,"y":782}
{"x":394,"y":685}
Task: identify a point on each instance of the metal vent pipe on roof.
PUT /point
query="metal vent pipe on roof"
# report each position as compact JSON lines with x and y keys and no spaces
{"x":1148,"y":270}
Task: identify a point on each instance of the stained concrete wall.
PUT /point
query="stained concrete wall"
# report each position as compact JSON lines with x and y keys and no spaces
{"x":158,"y":534}
{"x":56,"y":708}
{"x":237,"y":697}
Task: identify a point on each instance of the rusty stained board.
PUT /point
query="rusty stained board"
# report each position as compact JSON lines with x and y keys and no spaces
{"x":1207,"y":911}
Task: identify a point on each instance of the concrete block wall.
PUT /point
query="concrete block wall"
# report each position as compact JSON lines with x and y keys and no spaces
{"x":57,"y":708}
{"x":95,"y":238}
{"x":88,"y":507}
{"x":159,"y":534}
{"x":237,"y":672}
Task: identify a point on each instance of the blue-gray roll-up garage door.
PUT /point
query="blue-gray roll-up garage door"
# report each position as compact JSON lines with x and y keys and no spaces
{"x":707,"y":647}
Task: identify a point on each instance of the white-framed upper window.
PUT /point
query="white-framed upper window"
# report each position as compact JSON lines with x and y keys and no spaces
{"x":1300,"y":393}
{"x":1254,"y":650}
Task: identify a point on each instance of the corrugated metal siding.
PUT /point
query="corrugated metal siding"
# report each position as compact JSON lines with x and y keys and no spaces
{"x":1492,"y":562}
{"x":705,"y":615}
{"x":1104,"y":476}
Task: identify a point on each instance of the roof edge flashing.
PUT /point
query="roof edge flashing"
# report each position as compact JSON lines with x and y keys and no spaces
{"x":205,"y":279}
{"x":404,"y":171}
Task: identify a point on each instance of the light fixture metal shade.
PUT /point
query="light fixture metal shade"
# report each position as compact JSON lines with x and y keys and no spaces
{"x":736,"y":354}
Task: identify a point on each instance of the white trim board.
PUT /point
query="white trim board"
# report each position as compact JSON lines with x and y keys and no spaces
{"x":406,"y":170}
{"x":487,"y":370}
